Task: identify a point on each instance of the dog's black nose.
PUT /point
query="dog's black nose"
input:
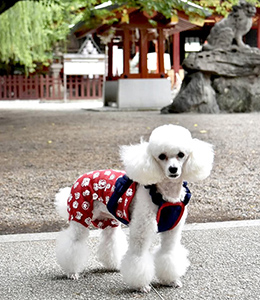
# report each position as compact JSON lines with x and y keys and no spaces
{"x":173,"y":170}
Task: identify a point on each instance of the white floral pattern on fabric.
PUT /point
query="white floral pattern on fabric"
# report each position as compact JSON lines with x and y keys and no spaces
{"x":129,"y":192}
{"x":95,"y":186}
{"x":85,"y":182}
{"x":85,"y":205}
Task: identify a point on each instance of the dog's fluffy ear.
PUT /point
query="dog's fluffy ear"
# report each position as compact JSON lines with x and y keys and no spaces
{"x":200,"y":161}
{"x":140,"y":165}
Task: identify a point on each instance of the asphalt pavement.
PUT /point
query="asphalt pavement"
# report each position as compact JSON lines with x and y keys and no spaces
{"x":225,"y":264}
{"x":225,"y":258}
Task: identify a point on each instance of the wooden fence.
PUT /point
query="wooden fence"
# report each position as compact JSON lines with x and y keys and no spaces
{"x":50,"y":88}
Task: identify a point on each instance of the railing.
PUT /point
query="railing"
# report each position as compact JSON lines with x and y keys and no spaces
{"x":50,"y":88}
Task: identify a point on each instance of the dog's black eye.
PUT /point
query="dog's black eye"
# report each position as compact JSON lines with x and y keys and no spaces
{"x":162,"y":156}
{"x":181,"y":154}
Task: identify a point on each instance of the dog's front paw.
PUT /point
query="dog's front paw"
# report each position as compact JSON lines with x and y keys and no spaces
{"x":145,"y":289}
{"x":74,"y":276}
{"x":177,"y":283}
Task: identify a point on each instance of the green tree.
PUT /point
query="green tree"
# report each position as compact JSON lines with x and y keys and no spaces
{"x":222,"y":7}
{"x":6,"y":4}
{"x":31,"y":29}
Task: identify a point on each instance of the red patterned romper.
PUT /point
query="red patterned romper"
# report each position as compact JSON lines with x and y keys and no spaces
{"x":98,"y":186}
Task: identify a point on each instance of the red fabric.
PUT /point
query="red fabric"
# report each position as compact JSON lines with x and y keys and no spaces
{"x":97,"y":186}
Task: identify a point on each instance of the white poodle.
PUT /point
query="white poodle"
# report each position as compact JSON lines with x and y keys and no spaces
{"x":152,"y":198}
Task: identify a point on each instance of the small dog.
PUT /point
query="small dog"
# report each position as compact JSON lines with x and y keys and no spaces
{"x":151,"y":195}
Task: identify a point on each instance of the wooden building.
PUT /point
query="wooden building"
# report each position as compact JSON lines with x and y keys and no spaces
{"x":146,"y":44}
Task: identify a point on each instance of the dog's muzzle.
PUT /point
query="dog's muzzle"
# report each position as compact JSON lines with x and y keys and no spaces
{"x":173,"y":172}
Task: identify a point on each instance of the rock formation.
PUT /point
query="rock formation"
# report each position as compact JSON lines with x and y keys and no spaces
{"x":225,"y":75}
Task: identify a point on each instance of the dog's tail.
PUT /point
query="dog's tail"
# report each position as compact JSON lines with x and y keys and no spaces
{"x":60,"y":202}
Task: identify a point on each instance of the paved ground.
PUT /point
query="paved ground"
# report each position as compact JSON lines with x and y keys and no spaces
{"x":37,"y":105}
{"x":225,"y":264}
{"x":39,"y":153}
{"x":46,"y":146}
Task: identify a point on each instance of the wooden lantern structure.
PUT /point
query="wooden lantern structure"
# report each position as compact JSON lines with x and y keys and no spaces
{"x":135,"y":33}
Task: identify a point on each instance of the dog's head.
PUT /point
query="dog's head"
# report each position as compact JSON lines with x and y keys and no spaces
{"x":170,"y":153}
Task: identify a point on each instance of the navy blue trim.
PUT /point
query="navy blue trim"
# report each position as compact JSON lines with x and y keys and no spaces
{"x":158,"y":199}
{"x":188,"y":193}
{"x":121,"y":186}
{"x":169,"y":214}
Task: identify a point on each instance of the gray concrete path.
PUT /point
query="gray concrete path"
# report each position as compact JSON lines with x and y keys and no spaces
{"x":50,"y":105}
{"x":225,"y":264}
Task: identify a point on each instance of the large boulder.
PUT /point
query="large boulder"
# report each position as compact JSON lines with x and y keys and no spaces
{"x":196,"y":94}
{"x":240,"y":94}
{"x":219,"y":80}
{"x":225,"y":75}
{"x":233,"y":63}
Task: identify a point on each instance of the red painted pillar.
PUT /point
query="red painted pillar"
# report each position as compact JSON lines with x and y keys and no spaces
{"x":160,"y":54}
{"x":157,"y":51}
{"x":110,"y":61}
{"x":176,"y":53}
{"x":258,"y":32}
{"x":126,"y":49}
{"x":143,"y":54}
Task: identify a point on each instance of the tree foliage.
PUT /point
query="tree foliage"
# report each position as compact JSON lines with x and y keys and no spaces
{"x":31,"y":29}
{"x":167,"y":8}
{"x":6,"y":4}
{"x":223,"y":7}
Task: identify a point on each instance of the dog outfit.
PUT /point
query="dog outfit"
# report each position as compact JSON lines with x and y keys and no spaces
{"x":116,"y":191}
{"x":168,"y":214}
{"x":98,"y":186}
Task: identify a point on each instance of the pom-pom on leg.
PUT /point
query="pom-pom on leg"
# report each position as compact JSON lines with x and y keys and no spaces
{"x":112,"y":247}
{"x":170,"y":266}
{"x":72,"y":250}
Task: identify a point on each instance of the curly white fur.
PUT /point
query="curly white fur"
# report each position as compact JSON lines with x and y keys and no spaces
{"x":60,"y":204}
{"x":72,"y":250}
{"x":169,"y":157}
{"x":115,"y":243}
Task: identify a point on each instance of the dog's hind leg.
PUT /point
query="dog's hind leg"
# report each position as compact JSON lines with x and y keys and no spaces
{"x":72,"y":251}
{"x":112,"y":247}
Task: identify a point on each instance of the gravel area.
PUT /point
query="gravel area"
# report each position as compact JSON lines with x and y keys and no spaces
{"x":42,"y":151}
